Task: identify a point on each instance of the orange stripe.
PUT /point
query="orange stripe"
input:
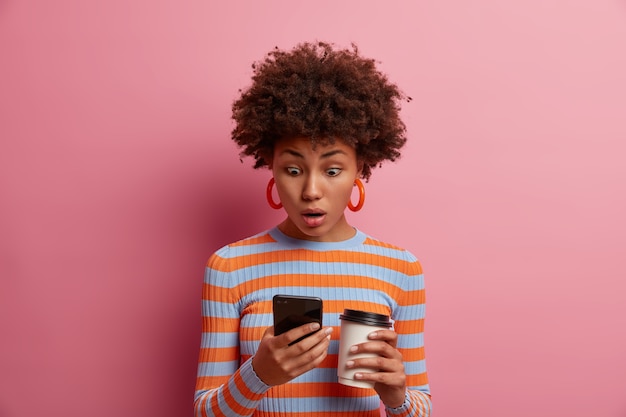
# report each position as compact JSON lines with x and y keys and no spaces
{"x":339,"y":305}
{"x":252,"y":334}
{"x":216,"y":293}
{"x":208,"y":382}
{"x":230,"y":264}
{"x":213,"y":260}
{"x":321,"y":389}
{"x":330,"y":307}
{"x":373,"y":242}
{"x":330,"y":361}
{"x":225,"y":325}
{"x":412,"y":355}
{"x":259,"y":307}
{"x":266,"y":238}
{"x":412,"y":297}
{"x":219,"y":354}
{"x":416,"y":380}
{"x":378,"y":243}
{"x":411,"y":327}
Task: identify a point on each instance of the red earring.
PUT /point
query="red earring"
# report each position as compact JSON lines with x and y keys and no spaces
{"x":359,"y":205}
{"x":268,"y":194}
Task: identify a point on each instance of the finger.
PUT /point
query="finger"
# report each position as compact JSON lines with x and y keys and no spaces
{"x":379,"y":348}
{"x":388,"y":336}
{"x":310,"y":358}
{"x":311,"y":364}
{"x":308,"y":343}
{"x":377,"y":364}
{"x":300,"y":332}
{"x":392,"y":379}
{"x":301,"y":357}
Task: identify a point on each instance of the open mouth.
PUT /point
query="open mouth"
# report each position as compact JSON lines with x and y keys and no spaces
{"x":313,"y":219}
{"x":314,"y":214}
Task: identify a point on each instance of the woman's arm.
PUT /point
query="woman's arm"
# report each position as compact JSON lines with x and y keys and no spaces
{"x":399,"y":369}
{"x":409,"y":326}
{"x":223,"y":387}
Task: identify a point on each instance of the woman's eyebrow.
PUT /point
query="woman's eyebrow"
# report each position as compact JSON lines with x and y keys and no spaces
{"x":292,"y":153}
{"x":324,"y":155}
{"x":333,"y":153}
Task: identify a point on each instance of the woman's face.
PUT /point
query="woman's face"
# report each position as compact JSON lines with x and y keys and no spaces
{"x":314,"y":186}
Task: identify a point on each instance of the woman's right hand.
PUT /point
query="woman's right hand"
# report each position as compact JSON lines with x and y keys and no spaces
{"x":276,"y":362}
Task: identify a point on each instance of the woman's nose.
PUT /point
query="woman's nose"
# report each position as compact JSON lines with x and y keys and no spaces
{"x":312,"y":188}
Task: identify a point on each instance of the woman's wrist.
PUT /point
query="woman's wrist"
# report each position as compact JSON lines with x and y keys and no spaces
{"x":397,"y":405}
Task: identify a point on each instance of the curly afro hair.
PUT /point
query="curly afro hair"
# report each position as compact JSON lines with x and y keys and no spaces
{"x":324,"y":94}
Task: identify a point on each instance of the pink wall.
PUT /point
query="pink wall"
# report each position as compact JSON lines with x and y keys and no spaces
{"x":118,"y":179}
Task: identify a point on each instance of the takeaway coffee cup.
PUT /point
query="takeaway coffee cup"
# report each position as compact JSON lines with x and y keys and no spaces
{"x":355,"y":326}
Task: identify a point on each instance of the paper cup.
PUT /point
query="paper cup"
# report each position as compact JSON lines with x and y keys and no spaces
{"x":355,"y":326}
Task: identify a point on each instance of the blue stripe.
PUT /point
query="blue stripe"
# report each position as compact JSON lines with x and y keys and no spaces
{"x":415,"y":341}
{"x":218,"y":279}
{"x":328,"y":319}
{"x":355,"y":244}
{"x":415,"y":367}
{"x":325,"y":293}
{"x":217,"y":368}
{"x":312,"y":268}
{"x":326,"y":375}
{"x":245,"y":250}
{"x":219,"y":340}
{"x":221,"y":310}
{"x":421,"y":388}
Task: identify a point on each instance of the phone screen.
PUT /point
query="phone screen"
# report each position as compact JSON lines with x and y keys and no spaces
{"x":291,"y":311}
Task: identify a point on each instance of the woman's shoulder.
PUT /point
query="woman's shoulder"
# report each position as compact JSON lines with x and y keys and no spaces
{"x":258,"y":239}
{"x":391,"y":253}
{"x":385,"y":247}
{"x":245,"y":245}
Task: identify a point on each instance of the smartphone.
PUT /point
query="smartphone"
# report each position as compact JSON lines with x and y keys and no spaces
{"x":291,"y":311}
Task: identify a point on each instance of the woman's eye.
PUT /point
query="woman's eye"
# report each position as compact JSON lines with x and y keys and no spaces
{"x":333,"y":172}
{"x":293,"y":171}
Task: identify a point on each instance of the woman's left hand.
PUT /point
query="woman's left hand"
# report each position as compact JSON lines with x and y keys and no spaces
{"x":387,"y":367}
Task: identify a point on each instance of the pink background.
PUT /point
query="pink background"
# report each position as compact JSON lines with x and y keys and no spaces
{"x":118,"y":180}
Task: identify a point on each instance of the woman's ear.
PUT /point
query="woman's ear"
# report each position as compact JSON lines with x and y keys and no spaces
{"x":359,"y":167}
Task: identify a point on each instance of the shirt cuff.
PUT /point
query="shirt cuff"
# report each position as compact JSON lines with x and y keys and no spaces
{"x":402,"y":409}
{"x":251,"y":379}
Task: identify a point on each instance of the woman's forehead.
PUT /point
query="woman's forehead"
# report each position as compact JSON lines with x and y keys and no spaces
{"x":309,"y":146}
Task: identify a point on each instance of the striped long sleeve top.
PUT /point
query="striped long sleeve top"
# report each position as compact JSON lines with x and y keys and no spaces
{"x":361,"y":273}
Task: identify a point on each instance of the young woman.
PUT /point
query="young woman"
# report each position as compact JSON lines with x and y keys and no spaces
{"x":320,"y":118}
